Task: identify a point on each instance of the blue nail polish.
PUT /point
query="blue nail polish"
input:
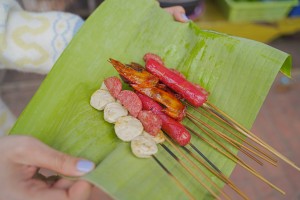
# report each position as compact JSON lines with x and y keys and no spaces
{"x":85,"y":166}
{"x":185,"y":17}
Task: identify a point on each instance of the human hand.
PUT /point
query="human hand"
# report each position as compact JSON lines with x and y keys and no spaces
{"x":22,"y":156}
{"x":178,"y":13}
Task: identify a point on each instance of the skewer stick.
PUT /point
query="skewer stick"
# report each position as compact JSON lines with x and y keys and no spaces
{"x":198,"y":169}
{"x":195,"y":166}
{"x":203,"y":156}
{"x":228,"y":154}
{"x":232,"y":155}
{"x":217,"y":172}
{"x":190,"y":171}
{"x":189,"y":116}
{"x":216,"y":111}
{"x":174,"y":178}
{"x":233,"y":133}
{"x":236,"y":144}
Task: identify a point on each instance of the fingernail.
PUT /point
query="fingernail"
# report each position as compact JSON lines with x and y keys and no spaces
{"x":184,"y":17}
{"x":85,"y":166}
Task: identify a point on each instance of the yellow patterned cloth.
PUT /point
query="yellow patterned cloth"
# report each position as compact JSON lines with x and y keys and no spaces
{"x":32,"y":42}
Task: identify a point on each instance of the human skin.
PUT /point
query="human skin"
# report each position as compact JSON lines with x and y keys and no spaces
{"x":178,"y":13}
{"x":22,"y":156}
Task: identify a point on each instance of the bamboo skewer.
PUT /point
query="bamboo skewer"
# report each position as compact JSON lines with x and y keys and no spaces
{"x":189,"y":116}
{"x":220,"y":175}
{"x":242,"y":163}
{"x":203,"y":156}
{"x":233,"y":133}
{"x":174,"y":178}
{"x":217,"y":112}
{"x":236,"y":144}
{"x":190,"y":171}
{"x":217,"y":172}
{"x":228,"y":154}
{"x":197,"y":167}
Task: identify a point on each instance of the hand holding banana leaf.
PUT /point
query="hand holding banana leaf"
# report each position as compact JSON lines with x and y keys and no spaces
{"x":21,"y":159}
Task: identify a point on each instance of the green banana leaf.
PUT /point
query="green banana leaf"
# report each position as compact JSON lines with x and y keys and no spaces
{"x":237,"y":72}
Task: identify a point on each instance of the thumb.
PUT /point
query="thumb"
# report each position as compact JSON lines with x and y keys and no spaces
{"x":35,"y":153}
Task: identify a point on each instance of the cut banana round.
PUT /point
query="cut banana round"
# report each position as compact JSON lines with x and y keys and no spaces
{"x":113,"y":111}
{"x":127,"y":128}
{"x":143,"y":147}
{"x":100,"y":99}
{"x":159,"y":138}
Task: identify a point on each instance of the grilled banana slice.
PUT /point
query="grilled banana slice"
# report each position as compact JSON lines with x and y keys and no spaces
{"x":143,"y":147}
{"x":127,"y":128}
{"x":100,"y":99}
{"x":113,"y":111}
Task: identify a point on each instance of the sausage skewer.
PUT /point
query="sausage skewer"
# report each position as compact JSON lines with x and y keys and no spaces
{"x":157,"y":96}
{"x":202,"y":101}
{"x":157,"y":110}
{"x":171,"y":126}
{"x":198,"y":98}
{"x":139,"y":78}
{"x":176,"y":127}
{"x":118,"y":116}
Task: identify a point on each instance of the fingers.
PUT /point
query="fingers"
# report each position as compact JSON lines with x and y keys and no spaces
{"x":32,"y":152}
{"x":63,"y":184}
{"x":178,"y":13}
{"x":65,"y":190}
{"x":80,"y":190}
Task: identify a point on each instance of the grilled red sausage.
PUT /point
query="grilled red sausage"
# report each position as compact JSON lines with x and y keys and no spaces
{"x":151,"y":122}
{"x":148,"y":56}
{"x":170,"y":126}
{"x":195,"y":96}
{"x":130,"y":101}
{"x":114,"y":85}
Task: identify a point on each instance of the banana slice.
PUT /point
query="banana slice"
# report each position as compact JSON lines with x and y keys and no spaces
{"x":127,"y":128}
{"x":113,"y":111}
{"x":100,"y":99}
{"x":143,"y":147}
{"x":159,"y":138}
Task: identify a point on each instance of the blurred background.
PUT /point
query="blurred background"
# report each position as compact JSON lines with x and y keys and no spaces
{"x":274,"y":22}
